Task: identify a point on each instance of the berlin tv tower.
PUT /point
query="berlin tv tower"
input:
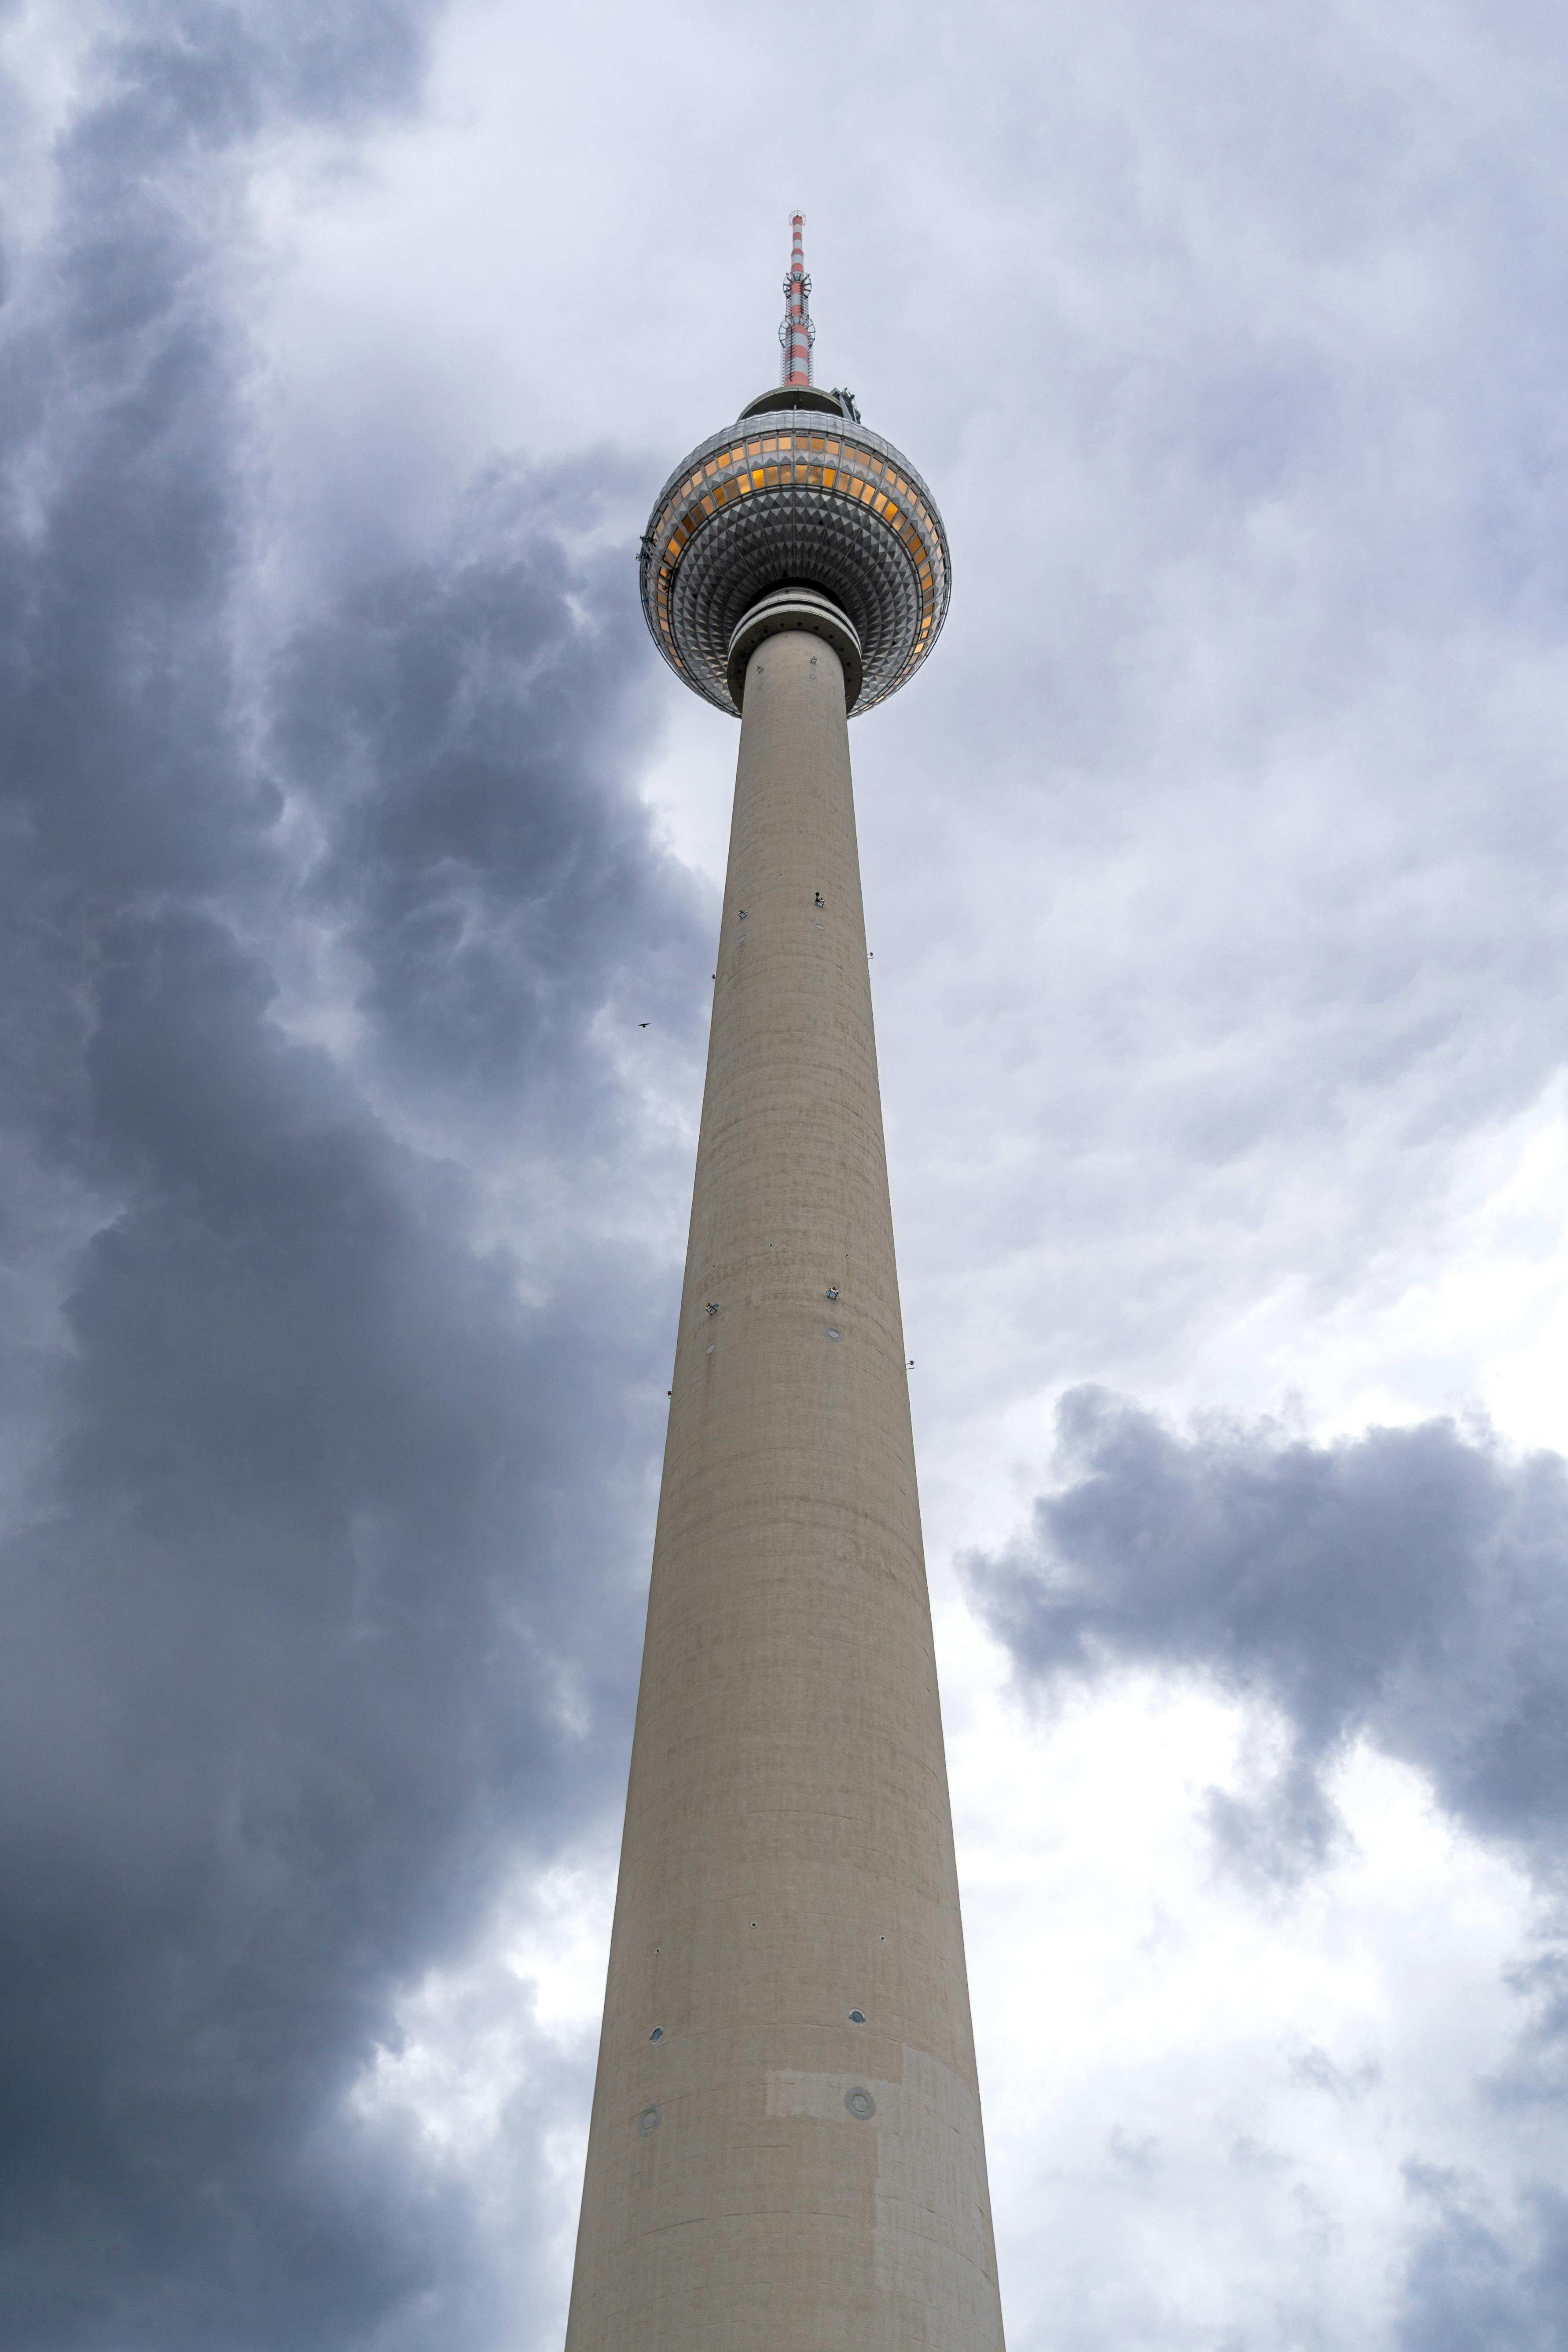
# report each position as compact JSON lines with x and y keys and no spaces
{"x":785,"y":2152}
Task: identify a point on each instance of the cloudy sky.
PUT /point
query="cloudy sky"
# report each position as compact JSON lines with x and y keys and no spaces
{"x":1217,"y":875}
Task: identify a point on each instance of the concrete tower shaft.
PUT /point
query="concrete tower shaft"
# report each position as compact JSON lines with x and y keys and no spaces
{"x":785,"y":2152}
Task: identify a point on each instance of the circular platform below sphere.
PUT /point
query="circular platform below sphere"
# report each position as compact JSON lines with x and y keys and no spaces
{"x":807,"y":610}
{"x":794,"y":497}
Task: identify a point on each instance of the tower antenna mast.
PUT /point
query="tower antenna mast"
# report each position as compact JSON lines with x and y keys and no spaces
{"x":796,"y":333}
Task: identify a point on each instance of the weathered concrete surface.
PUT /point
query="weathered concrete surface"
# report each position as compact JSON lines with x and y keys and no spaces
{"x":768,"y":2175}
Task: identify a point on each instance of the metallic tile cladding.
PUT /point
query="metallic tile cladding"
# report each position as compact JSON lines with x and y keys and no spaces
{"x":795,"y":497}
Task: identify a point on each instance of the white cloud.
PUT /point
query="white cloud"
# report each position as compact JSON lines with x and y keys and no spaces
{"x":1198,"y":2106}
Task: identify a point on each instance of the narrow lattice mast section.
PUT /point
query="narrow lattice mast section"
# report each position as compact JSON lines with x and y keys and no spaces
{"x":796,"y":333}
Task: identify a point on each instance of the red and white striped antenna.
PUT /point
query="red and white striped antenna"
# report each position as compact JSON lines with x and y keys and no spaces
{"x":796,"y":334}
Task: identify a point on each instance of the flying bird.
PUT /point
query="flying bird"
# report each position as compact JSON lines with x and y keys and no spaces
{"x":642,"y":1024}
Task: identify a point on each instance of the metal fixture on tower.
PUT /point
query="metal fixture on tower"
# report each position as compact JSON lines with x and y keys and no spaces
{"x":786,"y":2151}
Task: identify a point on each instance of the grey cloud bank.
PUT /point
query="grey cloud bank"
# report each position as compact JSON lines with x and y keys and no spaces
{"x":1408,"y":1587}
{"x":325,"y":1531}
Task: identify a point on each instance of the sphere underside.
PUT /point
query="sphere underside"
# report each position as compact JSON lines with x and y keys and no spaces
{"x":796,"y":498}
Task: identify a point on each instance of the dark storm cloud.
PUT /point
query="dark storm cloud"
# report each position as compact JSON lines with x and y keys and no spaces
{"x":322,"y":1546}
{"x":1410,"y":1585}
{"x":490,"y":921}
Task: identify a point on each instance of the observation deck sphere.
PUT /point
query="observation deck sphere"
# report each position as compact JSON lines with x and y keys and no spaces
{"x":796,"y":493}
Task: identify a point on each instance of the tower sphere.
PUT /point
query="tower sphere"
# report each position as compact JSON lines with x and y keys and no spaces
{"x":796,"y":495}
